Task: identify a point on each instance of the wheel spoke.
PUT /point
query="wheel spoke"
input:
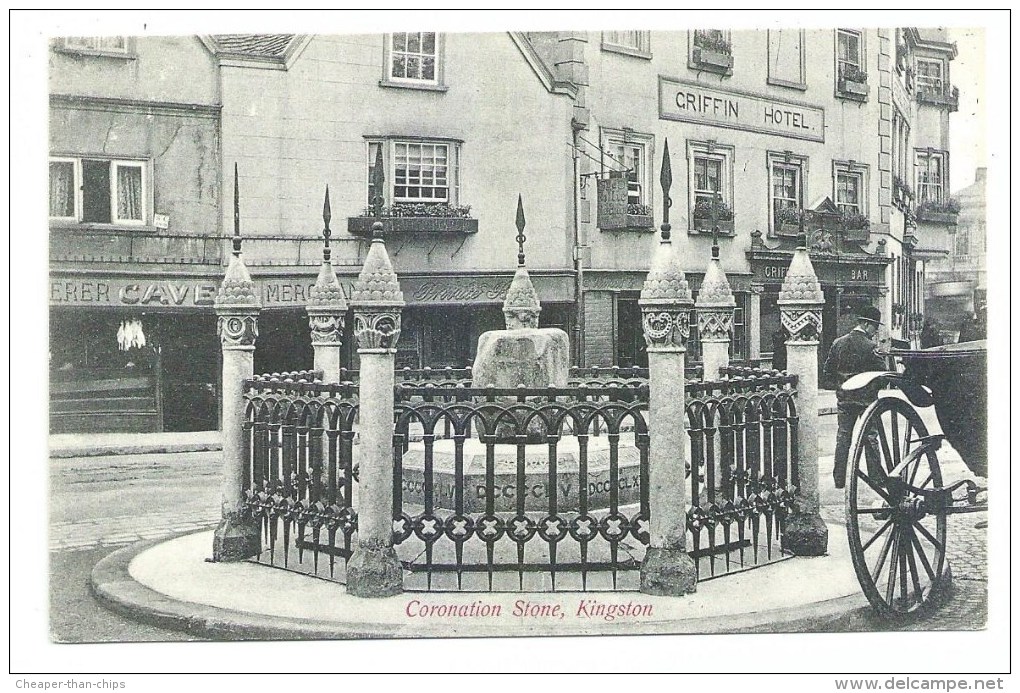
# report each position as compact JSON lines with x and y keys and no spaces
{"x":876,"y":535}
{"x":881,"y":558}
{"x":890,"y":586}
{"x":913,"y":571}
{"x":903,"y":567}
{"x":876,"y":489}
{"x":923,"y":530}
{"x":886,"y":454}
{"x":924,"y":558}
{"x":894,"y":423}
{"x":871,"y":511}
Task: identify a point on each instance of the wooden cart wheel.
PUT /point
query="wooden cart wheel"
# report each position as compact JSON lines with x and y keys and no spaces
{"x":897,"y":542}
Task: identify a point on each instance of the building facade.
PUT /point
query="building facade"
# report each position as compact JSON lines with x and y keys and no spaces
{"x":771,"y":133}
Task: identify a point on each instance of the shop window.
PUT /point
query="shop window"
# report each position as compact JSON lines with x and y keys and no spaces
{"x":786,"y":58}
{"x":711,"y":186}
{"x":851,"y":75}
{"x":98,"y":191}
{"x":414,"y":59}
{"x":786,"y":186}
{"x":931,"y":177}
{"x":636,"y":43}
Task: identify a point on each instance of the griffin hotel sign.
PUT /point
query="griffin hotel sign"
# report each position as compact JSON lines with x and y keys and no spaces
{"x":691,"y":102}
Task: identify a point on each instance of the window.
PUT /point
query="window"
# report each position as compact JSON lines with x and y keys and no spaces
{"x":931,"y":177}
{"x":929,"y":75}
{"x":711,"y":175}
{"x":786,"y":58}
{"x":629,"y":153}
{"x":414,"y":59}
{"x":636,"y":43}
{"x":849,"y":53}
{"x":711,"y":50}
{"x":98,"y":191}
{"x":417,"y":171}
{"x":850,"y":187}
{"x":115,"y":45}
{"x":786,"y":180}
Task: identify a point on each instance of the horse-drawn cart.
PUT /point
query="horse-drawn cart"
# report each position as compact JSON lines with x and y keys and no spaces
{"x":897,"y":495}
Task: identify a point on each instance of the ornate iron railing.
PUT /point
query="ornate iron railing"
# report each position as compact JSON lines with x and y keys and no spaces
{"x":299,"y":471}
{"x":520,"y":488}
{"x":537,"y":501}
{"x":743,"y":469}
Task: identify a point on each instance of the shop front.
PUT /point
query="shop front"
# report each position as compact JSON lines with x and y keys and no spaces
{"x":612,"y":318}
{"x":848,"y":280}
{"x":140,"y":353}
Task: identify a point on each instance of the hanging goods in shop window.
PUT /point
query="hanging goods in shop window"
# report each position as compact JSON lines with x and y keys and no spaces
{"x":130,"y":335}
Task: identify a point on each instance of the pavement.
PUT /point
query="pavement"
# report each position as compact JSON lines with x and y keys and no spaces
{"x":162,"y":578}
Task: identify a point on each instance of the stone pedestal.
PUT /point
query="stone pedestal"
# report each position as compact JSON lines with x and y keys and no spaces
{"x":374,"y":570}
{"x":237,"y":535}
{"x":800,"y":303}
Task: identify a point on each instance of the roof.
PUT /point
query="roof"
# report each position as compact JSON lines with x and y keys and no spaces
{"x":262,"y":45}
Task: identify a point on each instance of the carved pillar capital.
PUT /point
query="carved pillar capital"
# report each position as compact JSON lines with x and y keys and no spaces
{"x":803,"y":321}
{"x":326,"y":326}
{"x":714,"y":324}
{"x":238,"y":327}
{"x":666,"y":325}
{"x":377,"y":328}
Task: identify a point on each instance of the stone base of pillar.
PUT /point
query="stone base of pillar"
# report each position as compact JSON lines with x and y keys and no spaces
{"x":805,"y":534}
{"x":236,"y":539}
{"x":668,"y":573}
{"x":374,"y":571}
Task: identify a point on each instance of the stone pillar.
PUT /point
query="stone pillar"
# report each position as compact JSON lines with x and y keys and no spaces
{"x":714,"y":309}
{"x":374,"y":570}
{"x":237,"y":307}
{"x":327,"y":309}
{"x":800,"y":303}
{"x":665,"y":320}
{"x":754,"y":322}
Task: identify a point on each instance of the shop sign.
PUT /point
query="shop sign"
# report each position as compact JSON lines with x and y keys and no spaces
{"x":697,"y":103}
{"x":612,"y":200}
{"x":774,"y":273}
{"x":128,"y":292}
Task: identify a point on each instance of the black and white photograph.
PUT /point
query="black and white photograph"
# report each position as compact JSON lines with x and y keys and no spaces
{"x":448,"y":341}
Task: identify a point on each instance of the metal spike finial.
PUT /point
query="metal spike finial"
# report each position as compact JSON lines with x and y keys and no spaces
{"x":378,"y":180}
{"x":237,"y":216}
{"x":326,"y":216}
{"x":520,"y":231}
{"x":666,"y":181}
{"x":715,"y":243}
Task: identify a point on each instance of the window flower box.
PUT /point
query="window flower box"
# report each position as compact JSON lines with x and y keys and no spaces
{"x":853,"y":83}
{"x":939,"y":212}
{"x":855,"y":227}
{"x":787,"y":222}
{"x":949,"y":98}
{"x":713,"y":59}
{"x":416,"y":218}
{"x":639,"y":217}
{"x":703,"y":221}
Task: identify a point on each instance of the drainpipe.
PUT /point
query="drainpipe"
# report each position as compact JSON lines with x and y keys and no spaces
{"x":578,"y":260}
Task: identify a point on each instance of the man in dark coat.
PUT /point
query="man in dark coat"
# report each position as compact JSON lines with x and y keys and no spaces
{"x":849,"y":355}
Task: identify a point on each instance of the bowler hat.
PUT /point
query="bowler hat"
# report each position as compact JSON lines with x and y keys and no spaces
{"x":870,"y":313}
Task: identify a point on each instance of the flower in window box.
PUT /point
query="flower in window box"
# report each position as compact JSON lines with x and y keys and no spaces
{"x":855,"y":226}
{"x":416,"y":217}
{"x":788,"y":220}
{"x":853,"y":80}
{"x":639,"y":216}
{"x":713,"y":49}
{"x":703,"y":220}
{"x":939,"y":212}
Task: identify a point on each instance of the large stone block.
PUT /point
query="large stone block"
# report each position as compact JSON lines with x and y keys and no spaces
{"x":534,"y":357}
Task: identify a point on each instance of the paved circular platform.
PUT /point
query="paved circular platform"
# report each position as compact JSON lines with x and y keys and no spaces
{"x":171,"y":583}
